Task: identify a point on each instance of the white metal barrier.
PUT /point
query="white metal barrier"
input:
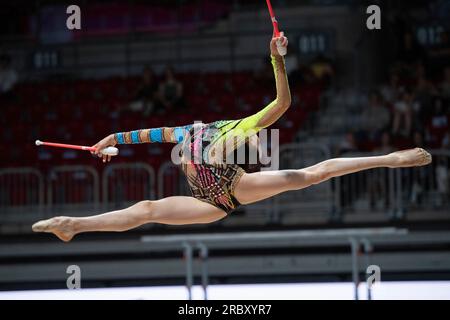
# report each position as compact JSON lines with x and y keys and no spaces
{"x":126,"y":183}
{"x":73,"y":188}
{"x":371,"y":191}
{"x":21,"y":192}
{"x":171,"y":181}
{"x":425,"y":187}
{"x":393,"y":192}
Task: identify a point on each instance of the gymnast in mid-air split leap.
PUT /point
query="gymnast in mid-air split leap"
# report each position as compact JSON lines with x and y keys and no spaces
{"x":219,"y":187}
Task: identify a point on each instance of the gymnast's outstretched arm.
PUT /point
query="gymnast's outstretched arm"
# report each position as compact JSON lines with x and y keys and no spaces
{"x":163,"y":134}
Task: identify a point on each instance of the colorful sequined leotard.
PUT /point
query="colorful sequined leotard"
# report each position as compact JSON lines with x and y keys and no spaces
{"x":203,"y":153}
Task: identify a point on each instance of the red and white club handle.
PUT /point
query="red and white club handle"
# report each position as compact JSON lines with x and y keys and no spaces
{"x":281,"y":50}
{"x":109,"y":151}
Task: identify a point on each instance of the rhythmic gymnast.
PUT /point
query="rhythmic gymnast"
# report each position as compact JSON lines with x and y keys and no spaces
{"x":218,"y":187}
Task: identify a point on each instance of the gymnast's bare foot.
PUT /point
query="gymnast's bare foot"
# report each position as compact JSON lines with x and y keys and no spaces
{"x":410,"y":158}
{"x":62,"y":227}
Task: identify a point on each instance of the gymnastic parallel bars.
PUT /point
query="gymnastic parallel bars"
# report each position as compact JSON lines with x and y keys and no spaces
{"x":187,"y":242}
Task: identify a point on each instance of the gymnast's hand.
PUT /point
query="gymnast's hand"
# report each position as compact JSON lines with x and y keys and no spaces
{"x":273,"y":44}
{"x":106,"y":142}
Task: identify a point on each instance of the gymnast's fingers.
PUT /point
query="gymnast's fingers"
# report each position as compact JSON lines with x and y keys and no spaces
{"x":283,"y":39}
{"x":98,"y":149}
{"x":94,"y":152}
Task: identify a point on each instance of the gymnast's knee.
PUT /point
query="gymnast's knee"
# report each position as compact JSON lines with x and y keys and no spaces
{"x":298,"y":179}
{"x":317,"y":175}
{"x":148,"y":209}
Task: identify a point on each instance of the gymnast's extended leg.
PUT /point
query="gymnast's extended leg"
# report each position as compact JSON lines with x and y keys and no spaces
{"x":171,"y":210}
{"x":262,"y":185}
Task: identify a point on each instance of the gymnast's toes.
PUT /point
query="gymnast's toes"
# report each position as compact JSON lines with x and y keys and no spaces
{"x":411,"y":158}
{"x":41,"y":226}
{"x":426,"y":157}
{"x":60,"y":226}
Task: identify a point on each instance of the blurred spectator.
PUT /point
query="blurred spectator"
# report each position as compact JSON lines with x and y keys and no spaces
{"x":348,"y":144}
{"x":8,"y":76}
{"x":292,"y":61}
{"x":171,"y":92}
{"x":213,"y":106}
{"x":391,"y":91}
{"x":442,"y":49}
{"x":302,"y":74}
{"x":403,"y":109}
{"x":322,"y":69}
{"x":146,"y":95}
{"x":264,"y":75}
{"x":442,"y":180}
{"x":438,"y":124}
{"x":418,"y":140}
{"x":386,"y":144}
{"x":445,"y":85}
{"x":423,"y":84}
{"x":376,"y":116}
{"x":445,"y":143}
{"x":228,"y":85}
{"x":200,"y":87}
{"x":410,"y":50}
{"x":424,"y":93}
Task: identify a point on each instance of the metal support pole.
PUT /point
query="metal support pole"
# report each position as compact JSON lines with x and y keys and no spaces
{"x":368,"y":249}
{"x":392,"y":193}
{"x":188,"y":253}
{"x":204,"y":265}
{"x":400,"y":209}
{"x":337,"y":198}
{"x":355,"y":272}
